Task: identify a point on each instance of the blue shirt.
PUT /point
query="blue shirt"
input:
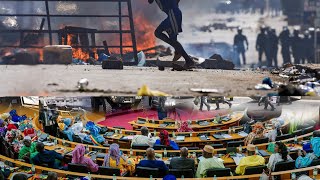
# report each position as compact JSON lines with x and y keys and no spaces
{"x":47,"y":157}
{"x":153,"y":164}
{"x":172,"y":144}
{"x":166,"y":5}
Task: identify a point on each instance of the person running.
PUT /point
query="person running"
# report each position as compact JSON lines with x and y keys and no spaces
{"x":172,"y":25}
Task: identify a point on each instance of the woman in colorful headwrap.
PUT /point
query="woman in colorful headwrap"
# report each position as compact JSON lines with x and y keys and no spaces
{"x":305,"y":159}
{"x":184,"y":127}
{"x":94,"y":136}
{"x":115,"y":159}
{"x":165,"y":140}
{"x":14,"y":137}
{"x":3,"y":128}
{"x":78,"y":158}
{"x":257,"y":132}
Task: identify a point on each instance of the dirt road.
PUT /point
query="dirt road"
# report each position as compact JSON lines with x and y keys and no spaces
{"x":61,"y":80}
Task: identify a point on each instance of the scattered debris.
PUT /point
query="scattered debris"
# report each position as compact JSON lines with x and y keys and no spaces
{"x":145,"y":91}
{"x":199,"y":90}
{"x":262,"y":87}
{"x":83,"y":84}
{"x":53,"y":84}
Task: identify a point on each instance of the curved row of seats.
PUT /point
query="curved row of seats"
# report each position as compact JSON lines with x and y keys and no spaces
{"x":253,"y":170}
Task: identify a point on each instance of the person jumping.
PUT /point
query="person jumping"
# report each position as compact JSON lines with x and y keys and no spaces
{"x":172,"y":25}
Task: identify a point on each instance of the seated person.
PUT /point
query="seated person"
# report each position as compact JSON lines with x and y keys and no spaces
{"x":182,"y":162}
{"x":46,"y":157}
{"x":183,"y":126}
{"x":276,"y":131}
{"x":3,"y":128}
{"x":208,"y":162}
{"x":305,"y":159}
{"x":143,"y":139}
{"x":52,"y":176}
{"x":165,"y":140}
{"x":251,"y":160}
{"x":67,"y":128}
{"x":78,"y":158}
{"x":13,"y":137}
{"x":257,"y":133}
{"x":151,"y":162}
{"x":115,"y":159}
{"x":28,"y":151}
{"x":281,"y":154}
{"x":94,"y":135}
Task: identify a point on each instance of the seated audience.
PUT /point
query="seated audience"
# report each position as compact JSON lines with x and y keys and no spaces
{"x":256,"y":133}
{"x":115,"y":159}
{"x":251,"y":160}
{"x":165,"y":140}
{"x":28,"y":151}
{"x":281,"y":154}
{"x":78,"y":158}
{"x":143,"y":139}
{"x":151,"y":162}
{"x":182,"y":162}
{"x":208,"y":162}
{"x":305,"y":159}
{"x":51,"y":158}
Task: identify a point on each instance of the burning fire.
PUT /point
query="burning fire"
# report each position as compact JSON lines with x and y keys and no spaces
{"x":144,"y":31}
{"x":79,"y":53}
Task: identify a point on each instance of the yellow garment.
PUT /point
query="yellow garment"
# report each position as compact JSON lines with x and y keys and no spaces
{"x":249,"y":161}
{"x":145,"y":91}
{"x":123,"y":165}
{"x":61,"y":126}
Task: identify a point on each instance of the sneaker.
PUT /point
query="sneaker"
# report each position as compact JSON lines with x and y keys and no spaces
{"x":230,"y":105}
{"x":217,"y":108}
{"x":189,"y":66}
{"x":176,"y":57}
{"x":273,"y":109}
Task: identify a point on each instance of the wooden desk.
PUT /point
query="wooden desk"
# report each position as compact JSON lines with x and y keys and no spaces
{"x":233,"y":122}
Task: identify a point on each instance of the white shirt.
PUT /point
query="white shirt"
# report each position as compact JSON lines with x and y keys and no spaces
{"x":141,"y":139}
{"x":274,"y":159}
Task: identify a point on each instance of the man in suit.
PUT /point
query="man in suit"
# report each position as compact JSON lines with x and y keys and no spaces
{"x":182,"y":162}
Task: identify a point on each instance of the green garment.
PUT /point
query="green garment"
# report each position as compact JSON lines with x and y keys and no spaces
{"x":208,"y":163}
{"x":32,"y":150}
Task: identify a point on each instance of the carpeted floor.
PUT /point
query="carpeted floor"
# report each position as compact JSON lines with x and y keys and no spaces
{"x":123,"y":119}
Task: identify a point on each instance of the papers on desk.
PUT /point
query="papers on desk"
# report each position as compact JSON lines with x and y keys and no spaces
{"x":243,"y":134}
{"x":237,"y":158}
{"x":47,"y":143}
{"x":226,"y":136}
{"x":180,"y":138}
{"x":128,"y":137}
{"x":290,"y":149}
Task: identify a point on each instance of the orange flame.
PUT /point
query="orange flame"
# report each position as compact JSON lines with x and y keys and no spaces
{"x":79,"y":53}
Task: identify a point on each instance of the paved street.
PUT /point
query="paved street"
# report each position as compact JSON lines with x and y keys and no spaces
{"x":62,"y":80}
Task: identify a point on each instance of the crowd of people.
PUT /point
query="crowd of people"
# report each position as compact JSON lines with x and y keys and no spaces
{"x":17,"y":131}
{"x":297,"y":45}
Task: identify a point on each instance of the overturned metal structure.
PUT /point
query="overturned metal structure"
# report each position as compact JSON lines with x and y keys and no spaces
{"x":50,"y":31}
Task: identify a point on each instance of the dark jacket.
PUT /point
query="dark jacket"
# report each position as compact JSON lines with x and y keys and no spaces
{"x":182,"y":163}
{"x":47,"y":157}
